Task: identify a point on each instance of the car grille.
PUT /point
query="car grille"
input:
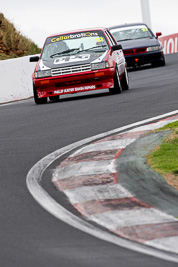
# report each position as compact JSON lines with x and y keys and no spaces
{"x":74,"y":82}
{"x":70,"y":70}
{"x":135,"y":51}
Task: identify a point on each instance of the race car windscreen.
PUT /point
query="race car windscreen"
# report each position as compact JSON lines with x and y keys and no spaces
{"x":131,"y":33}
{"x":74,"y":43}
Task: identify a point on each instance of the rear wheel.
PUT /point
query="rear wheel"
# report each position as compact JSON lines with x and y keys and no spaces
{"x":117,"y":83}
{"x":37,"y":99}
{"x":125,"y":81}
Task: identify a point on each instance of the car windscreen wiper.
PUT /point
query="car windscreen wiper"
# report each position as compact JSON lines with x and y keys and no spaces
{"x":145,"y":37}
{"x":64,"y":52}
{"x":123,"y":40}
{"x":91,"y":48}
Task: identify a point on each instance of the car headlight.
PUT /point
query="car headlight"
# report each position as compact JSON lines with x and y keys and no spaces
{"x":99,"y":65}
{"x":42,"y":73}
{"x":154,"y":48}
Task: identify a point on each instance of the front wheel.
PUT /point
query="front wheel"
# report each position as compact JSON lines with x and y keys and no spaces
{"x":162,"y":62}
{"x":159,"y":63}
{"x":117,"y":83}
{"x":37,"y":99}
{"x":125,"y":80}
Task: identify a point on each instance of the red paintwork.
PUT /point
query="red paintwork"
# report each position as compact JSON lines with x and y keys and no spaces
{"x":135,"y":51}
{"x":66,"y":83}
{"x":79,"y":82}
{"x":158,"y":34}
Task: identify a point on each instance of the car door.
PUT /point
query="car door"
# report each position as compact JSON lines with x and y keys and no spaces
{"x":118,"y":55}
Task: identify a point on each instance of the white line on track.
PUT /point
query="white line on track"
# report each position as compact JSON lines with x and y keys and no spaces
{"x":34,"y":178}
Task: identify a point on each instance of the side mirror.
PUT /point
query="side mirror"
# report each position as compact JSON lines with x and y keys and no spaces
{"x":158,"y":34}
{"x":34,"y":59}
{"x":116,"y":47}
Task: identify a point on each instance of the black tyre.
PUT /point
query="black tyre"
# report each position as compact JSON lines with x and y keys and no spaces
{"x":54,"y":98}
{"x":117,"y":83}
{"x":37,"y":99}
{"x":162,"y":62}
{"x":125,"y":81}
{"x":159,"y":63}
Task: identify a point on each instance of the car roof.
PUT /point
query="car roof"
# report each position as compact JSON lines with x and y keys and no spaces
{"x":127,"y":25}
{"x":79,"y":30}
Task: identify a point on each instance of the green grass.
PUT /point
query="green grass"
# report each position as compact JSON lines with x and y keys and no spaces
{"x":173,"y":125}
{"x":165,"y":158}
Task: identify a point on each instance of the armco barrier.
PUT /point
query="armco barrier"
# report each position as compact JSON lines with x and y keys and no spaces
{"x":170,"y":43}
{"x":15,"y":79}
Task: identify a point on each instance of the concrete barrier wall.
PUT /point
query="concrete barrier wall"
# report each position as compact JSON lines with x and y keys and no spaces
{"x":15,"y":79}
{"x":170,"y":43}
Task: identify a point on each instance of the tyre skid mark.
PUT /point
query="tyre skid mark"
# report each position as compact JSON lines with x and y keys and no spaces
{"x":85,"y":180}
{"x":103,"y":205}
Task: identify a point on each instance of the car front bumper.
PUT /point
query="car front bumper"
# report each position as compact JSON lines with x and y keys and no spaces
{"x":142,"y":59}
{"x":74,"y":83}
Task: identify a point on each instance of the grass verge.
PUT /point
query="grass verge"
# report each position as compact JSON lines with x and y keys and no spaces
{"x":12,"y":43}
{"x":164,"y":159}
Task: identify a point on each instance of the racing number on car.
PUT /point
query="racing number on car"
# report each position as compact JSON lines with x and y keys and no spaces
{"x":144,"y":29}
{"x":99,"y":39}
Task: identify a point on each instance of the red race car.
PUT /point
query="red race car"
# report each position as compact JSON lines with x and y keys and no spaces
{"x":79,"y":61}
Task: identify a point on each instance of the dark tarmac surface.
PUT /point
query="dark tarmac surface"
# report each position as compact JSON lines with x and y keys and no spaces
{"x":29,"y":235}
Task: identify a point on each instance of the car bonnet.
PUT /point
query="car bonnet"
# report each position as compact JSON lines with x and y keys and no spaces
{"x":72,"y":60}
{"x":130,"y":44}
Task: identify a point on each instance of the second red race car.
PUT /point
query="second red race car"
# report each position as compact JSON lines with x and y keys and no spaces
{"x":79,"y":61}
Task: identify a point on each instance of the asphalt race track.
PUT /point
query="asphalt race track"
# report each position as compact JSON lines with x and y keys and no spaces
{"x":29,"y":235}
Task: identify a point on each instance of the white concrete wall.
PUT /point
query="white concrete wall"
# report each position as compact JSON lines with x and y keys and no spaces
{"x":15,"y":79}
